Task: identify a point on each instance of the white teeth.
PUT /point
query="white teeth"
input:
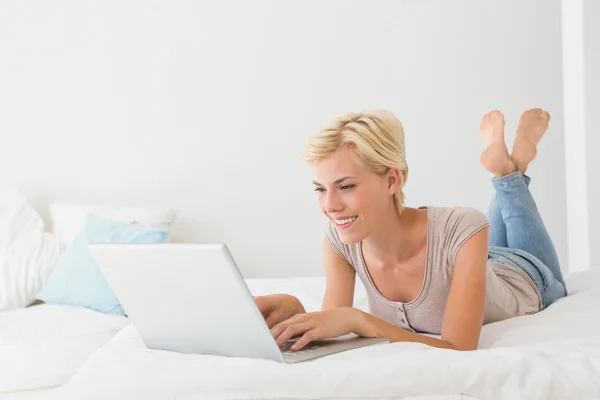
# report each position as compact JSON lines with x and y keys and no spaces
{"x":345,"y":221}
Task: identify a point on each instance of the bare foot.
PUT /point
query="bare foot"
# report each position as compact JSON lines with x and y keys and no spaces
{"x":495,"y":156}
{"x":532,"y":126}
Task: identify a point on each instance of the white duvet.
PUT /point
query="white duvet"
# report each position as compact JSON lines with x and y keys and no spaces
{"x":552,"y":355}
{"x":43,"y":346}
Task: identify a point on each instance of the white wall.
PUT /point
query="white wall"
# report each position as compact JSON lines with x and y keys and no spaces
{"x":576,"y":135}
{"x":206,"y":106}
{"x":592,"y":102}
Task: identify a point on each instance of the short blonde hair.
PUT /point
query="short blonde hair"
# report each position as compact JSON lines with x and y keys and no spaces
{"x":376,"y":138}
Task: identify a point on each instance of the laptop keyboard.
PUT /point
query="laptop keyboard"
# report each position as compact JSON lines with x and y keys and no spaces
{"x":287,"y":345}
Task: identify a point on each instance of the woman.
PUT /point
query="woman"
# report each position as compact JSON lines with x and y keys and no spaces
{"x":443,"y":271}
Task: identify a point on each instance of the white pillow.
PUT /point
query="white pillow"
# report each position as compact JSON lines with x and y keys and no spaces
{"x":68,"y":219}
{"x":27,"y":253}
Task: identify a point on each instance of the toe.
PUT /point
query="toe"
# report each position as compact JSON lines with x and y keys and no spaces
{"x":484,"y":120}
{"x":497,"y":117}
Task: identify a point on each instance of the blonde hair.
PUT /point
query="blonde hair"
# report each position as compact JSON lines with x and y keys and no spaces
{"x":376,"y":138}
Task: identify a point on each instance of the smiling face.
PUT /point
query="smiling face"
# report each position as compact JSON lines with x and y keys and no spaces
{"x":351,"y":195}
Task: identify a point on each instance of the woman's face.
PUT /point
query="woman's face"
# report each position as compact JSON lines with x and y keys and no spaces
{"x":351,"y":195}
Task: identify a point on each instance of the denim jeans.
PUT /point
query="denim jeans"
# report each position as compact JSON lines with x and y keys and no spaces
{"x":518,"y":237}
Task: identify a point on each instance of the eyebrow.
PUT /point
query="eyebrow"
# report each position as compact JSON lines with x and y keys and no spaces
{"x":336,"y":182}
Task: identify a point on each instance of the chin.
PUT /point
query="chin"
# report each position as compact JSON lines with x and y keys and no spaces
{"x":350,"y":238}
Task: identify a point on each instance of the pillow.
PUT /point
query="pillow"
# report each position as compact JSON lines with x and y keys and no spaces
{"x":68,"y":219}
{"x":27,"y":253}
{"x":77,"y":280}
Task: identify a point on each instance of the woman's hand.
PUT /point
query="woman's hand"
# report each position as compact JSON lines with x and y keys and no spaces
{"x":319,"y":325}
{"x":277,"y":308}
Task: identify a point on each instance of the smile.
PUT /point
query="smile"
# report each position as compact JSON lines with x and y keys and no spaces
{"x":345,"y":221}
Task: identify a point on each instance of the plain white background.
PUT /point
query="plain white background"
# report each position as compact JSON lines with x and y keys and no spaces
{"x":206,"y":107}
{"x":592,"y":98}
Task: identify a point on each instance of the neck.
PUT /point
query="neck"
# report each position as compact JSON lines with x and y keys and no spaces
{"x":399,"y":236}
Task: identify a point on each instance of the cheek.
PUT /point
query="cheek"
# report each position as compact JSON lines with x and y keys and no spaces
{"x":359,"y":200}
{"x":366,"y":203}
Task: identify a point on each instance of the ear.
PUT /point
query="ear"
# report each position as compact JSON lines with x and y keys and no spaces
{"x":394,"y":180}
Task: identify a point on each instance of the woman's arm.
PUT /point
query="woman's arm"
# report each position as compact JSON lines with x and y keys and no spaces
{"x":339,"y":291}
{"x":465,"y":308}
{"x":340,"y":279}
{"x":463,"y":317}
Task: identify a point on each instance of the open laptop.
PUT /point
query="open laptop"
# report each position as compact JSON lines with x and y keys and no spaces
{"x":191,"y":298}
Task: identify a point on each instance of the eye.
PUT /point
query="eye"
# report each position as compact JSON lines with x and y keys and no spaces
{"x":347,"y":187}
{"x":319,"y":189}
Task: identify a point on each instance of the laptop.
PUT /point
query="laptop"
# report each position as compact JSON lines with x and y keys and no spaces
{"x":191,"y":298}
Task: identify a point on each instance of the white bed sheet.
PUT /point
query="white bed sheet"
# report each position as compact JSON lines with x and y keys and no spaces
{"x":552,"y":355}
{"x":43,"y":346}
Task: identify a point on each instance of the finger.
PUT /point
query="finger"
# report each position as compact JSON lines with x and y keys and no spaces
{"x":302,"y":317}
{"x":308,"y":337}
{"x":276,"y":317}
{"x":293,"y":331}
{"x":283,"y":333}
{"x":280,"y":327}
{"x":271,"y":320}
{"x":283,"y":325}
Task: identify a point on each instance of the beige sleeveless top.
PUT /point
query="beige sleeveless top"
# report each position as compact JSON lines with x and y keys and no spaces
{"x":510,"y":292}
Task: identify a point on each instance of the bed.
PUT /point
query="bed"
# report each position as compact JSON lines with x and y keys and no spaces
{"x":70,"y":353}
{"x":44,"y":345}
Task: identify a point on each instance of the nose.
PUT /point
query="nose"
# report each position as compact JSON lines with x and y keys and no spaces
{"x":331,"y":202}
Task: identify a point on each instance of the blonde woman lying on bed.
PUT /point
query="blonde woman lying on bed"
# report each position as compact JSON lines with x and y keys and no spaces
{"x":444,"y":271}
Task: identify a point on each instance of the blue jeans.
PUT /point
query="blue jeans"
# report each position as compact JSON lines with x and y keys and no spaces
{"x":519,"y":239}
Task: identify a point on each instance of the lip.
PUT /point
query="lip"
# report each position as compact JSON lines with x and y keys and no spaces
{"x":345,"y":226}
{"x":338,"y":218}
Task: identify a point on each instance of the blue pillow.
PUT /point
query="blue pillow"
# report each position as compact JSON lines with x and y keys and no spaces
{"x":76,"y":279}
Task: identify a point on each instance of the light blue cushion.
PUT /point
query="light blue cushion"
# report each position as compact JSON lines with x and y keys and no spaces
{"x":76,"y":279}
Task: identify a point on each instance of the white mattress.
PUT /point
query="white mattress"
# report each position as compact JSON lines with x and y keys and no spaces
{"x":554,"y":354}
